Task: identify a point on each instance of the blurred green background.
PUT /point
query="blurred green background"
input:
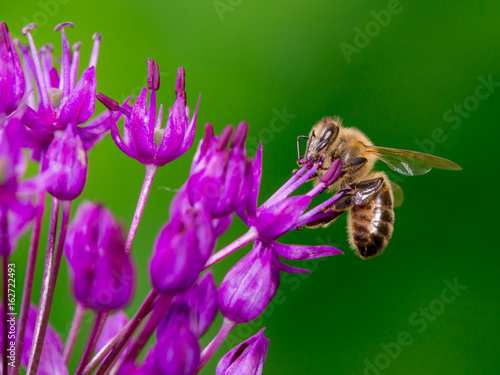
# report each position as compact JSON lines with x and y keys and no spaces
{"x":414,"y":81}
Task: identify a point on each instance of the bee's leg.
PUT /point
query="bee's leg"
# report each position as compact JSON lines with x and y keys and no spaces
{"x":365,"y":190}
{"x":362,"y":192}
{"x":353,"y":165}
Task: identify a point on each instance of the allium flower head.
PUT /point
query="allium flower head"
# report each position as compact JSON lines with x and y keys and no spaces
{"x":144,"y":138}
{"x":102,"y":273}
{"x":11,"y":74}
{"x":181,"y":249}
{"x":247,"y":358}
{"x":221,"y":178}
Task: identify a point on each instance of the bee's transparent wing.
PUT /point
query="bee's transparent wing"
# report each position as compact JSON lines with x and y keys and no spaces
{"x":411,"y":163}
{"x":397,"y":192}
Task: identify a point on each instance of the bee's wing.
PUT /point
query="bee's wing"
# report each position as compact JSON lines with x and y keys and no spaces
{"x":397,"y":192}
{"x":411,"y":163}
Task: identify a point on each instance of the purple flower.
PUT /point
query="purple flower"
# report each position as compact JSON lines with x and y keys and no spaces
{"x":11,"y":74}
{"x":180,"y":251}
{"x":199,"y":306}
{"x":247,"y":358}
{"x":114,"y":323}
{"x":202,"y":300}
{"x":51,"y":361}
{"x":177,"y":351}
{"x":102,"y":273}
{"x":249,"y":286}
{"x":67,"y":160}
{"x":63,"y":99}
{"x":16,"y":207}
{"x":143,"y":138}
{"x":221,"y":179}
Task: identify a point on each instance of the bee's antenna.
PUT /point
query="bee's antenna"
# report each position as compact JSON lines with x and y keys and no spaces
{"x":298,"y":145}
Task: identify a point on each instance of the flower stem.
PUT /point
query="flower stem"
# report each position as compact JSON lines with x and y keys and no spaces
{"x":98,"y":325}
{"x":52,"y":263}
{"x":211,"y":348}
{"x":28,"y":281}
{"x":132,"y":326}
{"x":73,"y":332}
{"x":150,"y":327}
{"x":248,"y":237}
{"x":4,"y":233}
{"x":91,"y":366}
{"x":143,"y":197}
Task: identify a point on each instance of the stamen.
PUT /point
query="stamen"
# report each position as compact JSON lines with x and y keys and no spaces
{"x":152,"y":111}
{"x":38,"y":73}
{"x":240,"y":135}
{"x":224,"y":138}
{"x":153,"y":75}
{"x":95,"y":49}
{"x":28,"y":28}
{"x":63,"y":25}
{"x":74,"y":64}
{"x":291,"y":188}
{"x":180,"y":83}
{"x":65,"y":81}
{"x":307,"y":217}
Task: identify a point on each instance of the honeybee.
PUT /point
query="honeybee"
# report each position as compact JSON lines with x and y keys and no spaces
{"x":370,"y":197}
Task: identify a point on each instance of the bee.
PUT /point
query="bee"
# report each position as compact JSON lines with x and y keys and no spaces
{"x":370,"y":197}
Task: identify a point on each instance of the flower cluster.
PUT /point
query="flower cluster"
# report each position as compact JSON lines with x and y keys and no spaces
{"x":48,"y":113}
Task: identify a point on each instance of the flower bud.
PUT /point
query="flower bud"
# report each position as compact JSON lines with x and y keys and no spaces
{"x":247,"y":358}
{"x":177,"y":351}
{"x":102,"y":273}
{"x":67,"y":159}
{"x":249,"y":286}
{"x":180,"y":251}
{"x":202,"y":300}
{"x":222,"y":179}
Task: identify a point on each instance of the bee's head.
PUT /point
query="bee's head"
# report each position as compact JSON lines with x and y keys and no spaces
{"x":322,"y":135}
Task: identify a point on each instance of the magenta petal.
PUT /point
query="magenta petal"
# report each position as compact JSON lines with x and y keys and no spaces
{"x":143,"y":132}
{"x":247,"y":358}
{"x":80,"y":105}
{"x":202,"y":299}
{"x":247,"y":288}
{"x":114,"y":323}
{"x":302,"y":252}
{"x":66,"y":158}
{"x":51,"y":361}
{"x":95,"y":130}
{"x":176,"y":262}
{"x":34,"y":121}
{"x":286,"y":268}
{"x":103,"y":274}
{"x":251,"y":205}
{"x":177,"y":352}
{"x":278,"y":218}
